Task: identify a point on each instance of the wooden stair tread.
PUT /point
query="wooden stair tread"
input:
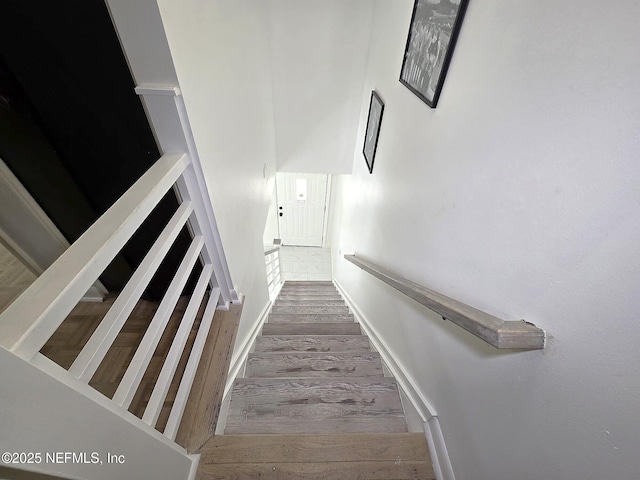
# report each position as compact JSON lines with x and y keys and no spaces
{"x":303,"y":421}
{"x":337,"y":456}
{"x":308,"y":293}
{"x":313,"y":372}
{"x":318,"y":298}
{"x":309,"y":318}
{"x":312,"y":343}
{"x":309,"y":303}
{"x":346,"y":328}
{"x":385,"y":470}
{"x":313,"y":309}
{"x":315,"y":448}
{"x":322,"y":405}
{"x":313,"y":364}
{"x":309,"y":288}
{"x":318,"y":285}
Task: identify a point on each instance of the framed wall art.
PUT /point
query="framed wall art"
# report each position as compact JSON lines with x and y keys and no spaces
{"x":432,"y":36}
{"x":376,"y":107}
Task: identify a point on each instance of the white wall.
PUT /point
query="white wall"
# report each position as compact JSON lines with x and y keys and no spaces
{"x":144,"y":42}
{"x":318,"y":59}
{"x":45,"y":416}
{"x":518,"y":195}
{"x":220,"y":53}
{"x":271,"y":230}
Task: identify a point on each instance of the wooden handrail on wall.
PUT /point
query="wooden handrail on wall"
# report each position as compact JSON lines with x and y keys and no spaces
{"x":493,"y":330}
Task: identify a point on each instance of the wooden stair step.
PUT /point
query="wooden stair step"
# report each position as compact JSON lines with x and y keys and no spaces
{"x":384,"y":470}
{"x":317,"y":310}
{"x":346,"y":328}
{"x":308,"y":293}
{"x":313,"y":343}
{"x":302,"y":298}
{"x":370,"y":456}
{"x":323,"y":405}
{"x":288,"y":286}
{"x":309,"y":303}
{"x":313,"y":364}
{"x":319,"y":290}
{"x":310,"y":318}
{"x":308,"y":283}
{"x":408,"y":447}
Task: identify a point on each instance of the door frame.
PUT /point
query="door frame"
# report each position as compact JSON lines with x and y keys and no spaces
{"x":327,"y":203}
{"x":327,"y":199}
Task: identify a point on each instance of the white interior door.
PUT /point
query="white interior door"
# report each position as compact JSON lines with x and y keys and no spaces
{"x":301,"y":208}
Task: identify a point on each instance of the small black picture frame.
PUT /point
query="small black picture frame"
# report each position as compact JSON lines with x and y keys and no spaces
{"x":376,"y":108}
{"x":432,"y":37}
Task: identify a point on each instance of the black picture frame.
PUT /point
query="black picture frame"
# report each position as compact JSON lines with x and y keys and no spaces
{"x":431,"y":40}
{"x":376,"y":109}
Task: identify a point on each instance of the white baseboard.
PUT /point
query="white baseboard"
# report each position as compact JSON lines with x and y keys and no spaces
{"x":406,"y":383}
{"x":438,"y":450}
{"x":195,"y":461}
{"x":238,"y":360}
{"x":95,"y":294}
{"x":433,"y":433}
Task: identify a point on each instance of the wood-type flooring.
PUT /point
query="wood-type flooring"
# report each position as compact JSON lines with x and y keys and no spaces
{"x":314,"y":402}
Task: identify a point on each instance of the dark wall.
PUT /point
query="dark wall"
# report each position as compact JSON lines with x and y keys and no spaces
{"x":73,"y":130}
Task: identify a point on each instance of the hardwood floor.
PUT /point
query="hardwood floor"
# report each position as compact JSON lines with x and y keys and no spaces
{"x":331,"y":457}
{"x":203,"y":407}
{"x":15,"y":278}
{"x":312,"y":343}
{"x":314,"y":364}
{"x":311,"y":329}
{"x":314,"y":392}
{"x":67,"y":342}
{"x":314,"y":403}
{"x":311,"y":309}
{"x":303,"y":317}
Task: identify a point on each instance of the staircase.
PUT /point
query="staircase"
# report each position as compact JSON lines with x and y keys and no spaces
{"x":315,"y":402}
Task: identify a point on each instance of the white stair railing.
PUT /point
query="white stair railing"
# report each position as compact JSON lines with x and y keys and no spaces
{"x":28,"y":323}
{"x":272,"y":266}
